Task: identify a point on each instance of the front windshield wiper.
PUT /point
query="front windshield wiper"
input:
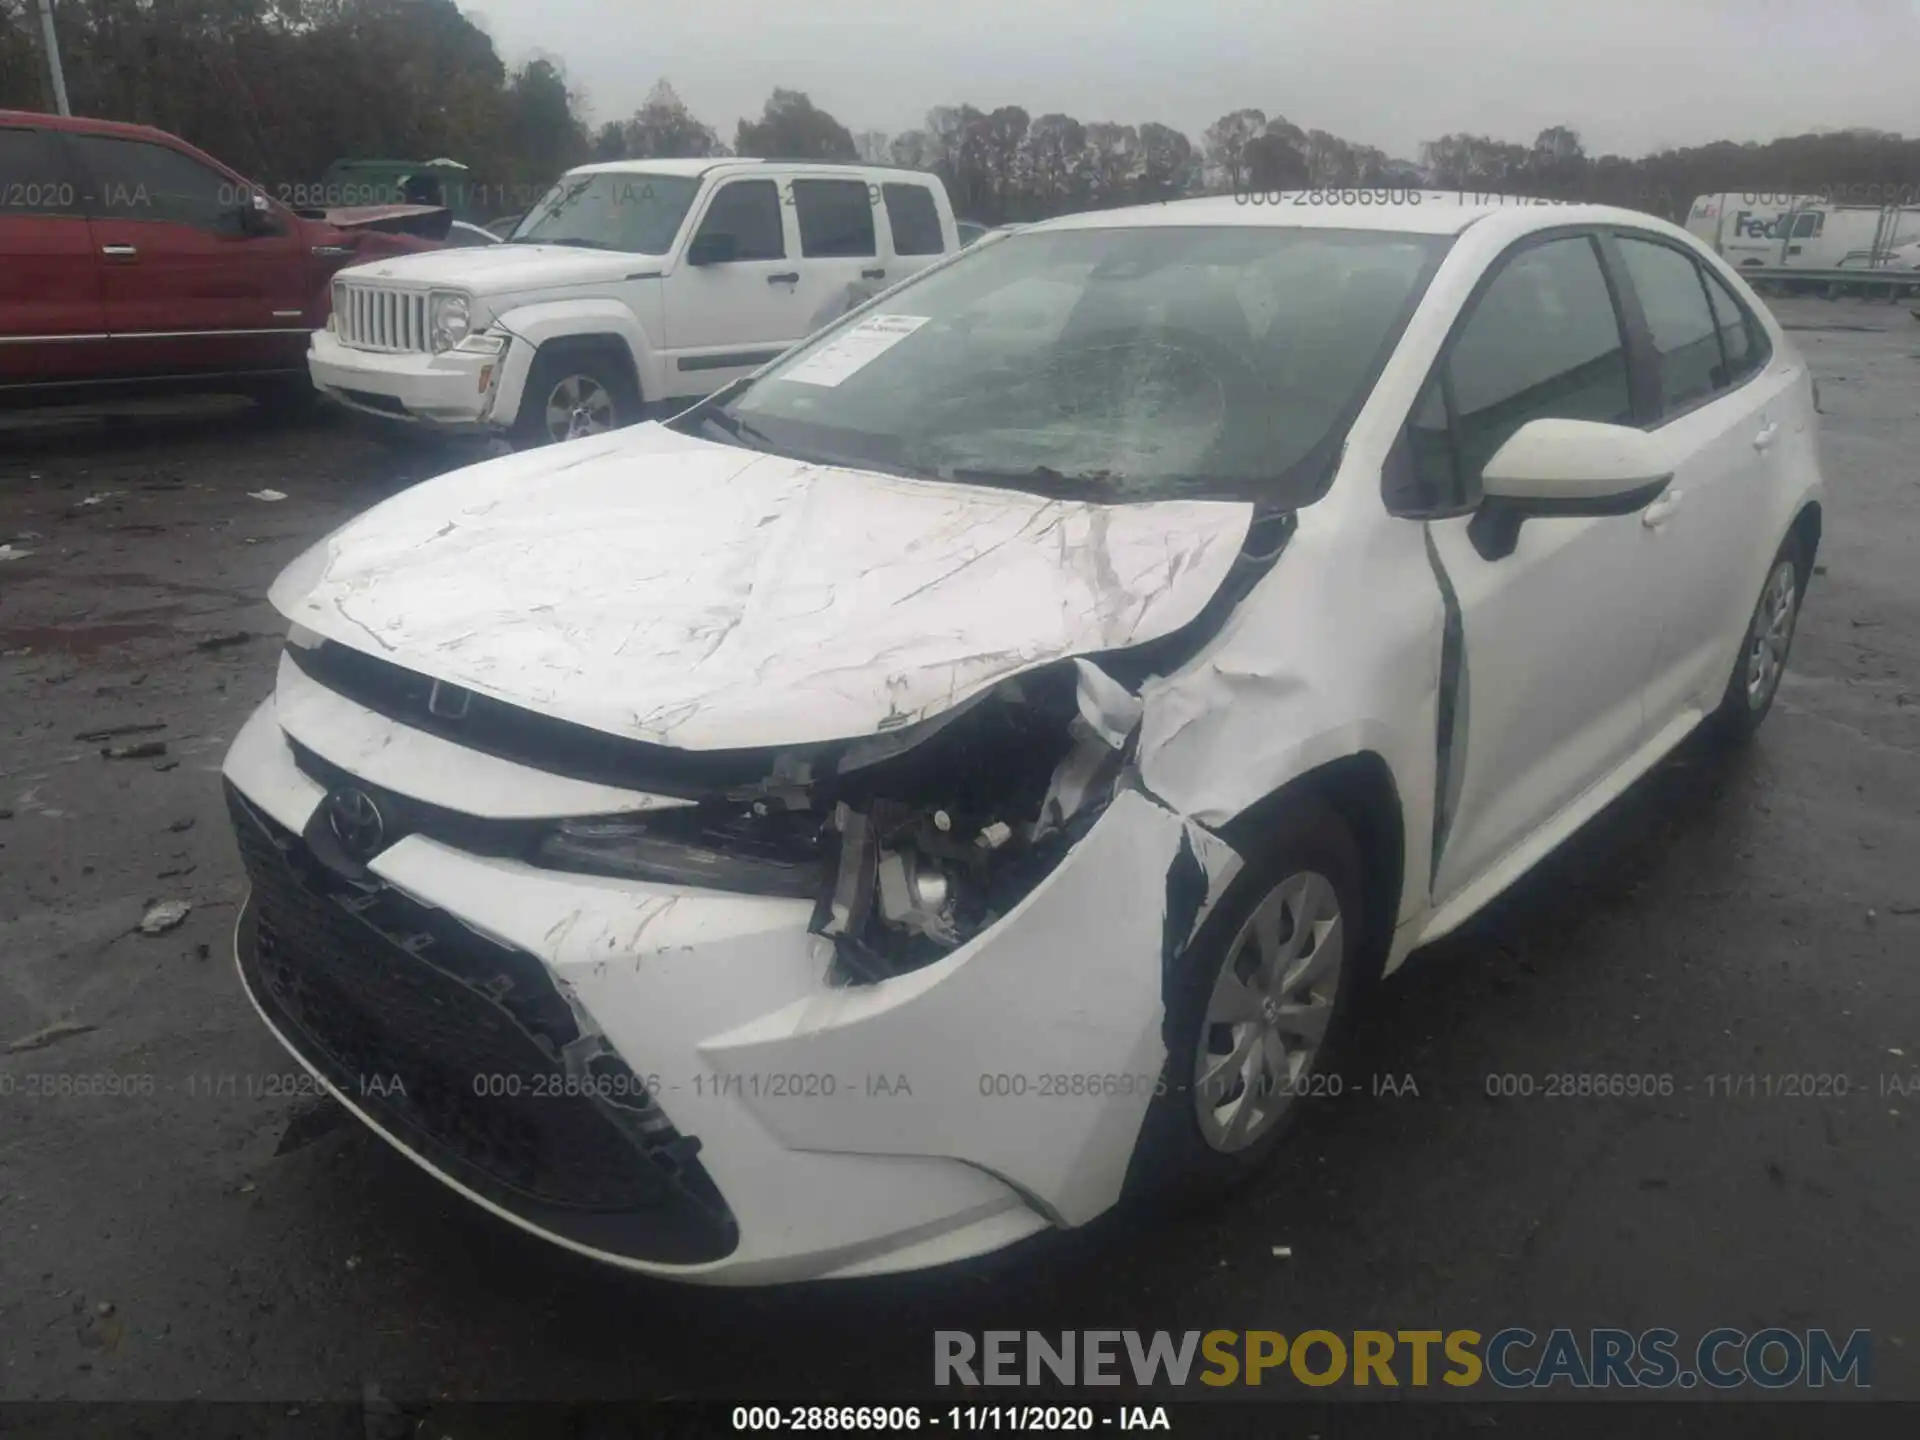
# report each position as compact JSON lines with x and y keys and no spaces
{"x":1097,"y":484}
{"x":743,"y":430}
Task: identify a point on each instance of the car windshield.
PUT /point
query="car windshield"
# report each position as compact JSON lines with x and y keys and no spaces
{"x":632,"y":212}
{"x":1111,"y":364}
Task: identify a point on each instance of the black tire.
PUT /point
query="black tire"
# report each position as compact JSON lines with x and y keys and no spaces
{"x":1744,"y":703}
{"x":593,"y":371}
{"x":1174,"y":1160}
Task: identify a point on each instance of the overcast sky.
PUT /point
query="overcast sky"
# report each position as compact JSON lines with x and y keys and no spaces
{"x":1629,"y":75}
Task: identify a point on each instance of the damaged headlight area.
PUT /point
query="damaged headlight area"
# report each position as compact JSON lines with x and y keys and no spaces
{"x":910,"y":842}
{"x":937,"y":843}
{"x":754,"y":849}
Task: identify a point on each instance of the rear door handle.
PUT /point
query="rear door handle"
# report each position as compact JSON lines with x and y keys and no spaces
{"x":873,"y":274}
{"x":791,"y":277}
{"x":120,"y":252}
{"x":1661,"y":510}
{"x":1766,"y":437}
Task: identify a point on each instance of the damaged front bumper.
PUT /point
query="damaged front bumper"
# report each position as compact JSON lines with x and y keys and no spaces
{"x":684,"y":1081}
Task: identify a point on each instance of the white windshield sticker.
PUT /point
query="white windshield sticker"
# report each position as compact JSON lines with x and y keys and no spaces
{"x":852,"y":351}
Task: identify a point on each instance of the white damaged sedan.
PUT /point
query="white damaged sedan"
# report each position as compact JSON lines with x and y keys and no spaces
{"x":967,"y":773}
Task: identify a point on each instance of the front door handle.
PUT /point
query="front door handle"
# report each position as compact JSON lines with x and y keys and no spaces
{"x":791,"y":277}
{"x":873,"y":274}
{"x":1766,"y":437}
{"x":120,"y":252}
{"x":1661,"y":510}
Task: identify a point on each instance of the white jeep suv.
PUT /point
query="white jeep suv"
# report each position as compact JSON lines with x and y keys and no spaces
{"x":631,"y":289}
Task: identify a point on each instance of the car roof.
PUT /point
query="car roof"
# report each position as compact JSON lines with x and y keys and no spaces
{"x":83,"y":124}
{"x":1420,"y":212}
{"x":703,"y":166}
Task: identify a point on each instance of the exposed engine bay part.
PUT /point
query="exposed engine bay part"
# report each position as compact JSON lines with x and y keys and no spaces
{"x":916,"y":878}
{"x":913,"y":882}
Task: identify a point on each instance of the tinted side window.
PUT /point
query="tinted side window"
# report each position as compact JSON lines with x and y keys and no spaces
{"x":1807,"y":225}
{"x":748,"y":210}
{"x":1668,"y":283}
{"x":1543,"y":342}
{"x":1739,"y":333}
{"x":34,"y":179}
{"x":914,"y":219}
{"x":836,"y":217}
{"x":136,"y":180}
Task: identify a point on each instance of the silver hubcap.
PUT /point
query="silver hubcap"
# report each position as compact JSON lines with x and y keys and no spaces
{"x":1771,"y":633}
{"x":1268,"y":1013}
{"x":578,"y":405}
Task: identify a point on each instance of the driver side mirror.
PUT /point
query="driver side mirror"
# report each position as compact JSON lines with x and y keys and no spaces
{"x":713,"y":247}
{"x":254,"y":215}
{"x":1561,"y":468}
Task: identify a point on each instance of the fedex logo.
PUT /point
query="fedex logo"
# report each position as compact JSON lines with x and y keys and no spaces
{"x":1748,"y":226}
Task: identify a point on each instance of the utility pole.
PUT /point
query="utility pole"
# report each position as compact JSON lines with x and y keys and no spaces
{"x":53,"y":57}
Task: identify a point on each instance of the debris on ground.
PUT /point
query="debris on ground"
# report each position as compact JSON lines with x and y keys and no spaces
{"x":165,"y":765}
{"x":101,"y":496}
{"x":139,"y":728}
{"x":52,"y":1034}
{"x":266,"y":494}
{"x":176,"y":872}
{"x":8,"y":815}
{"x":179,"y":826}
{"x":1283,"y":1252}
{"x":139,"y":750}
{"x":8,"y":552}
{"x":163,"y":915}
{"x":225,"y":641}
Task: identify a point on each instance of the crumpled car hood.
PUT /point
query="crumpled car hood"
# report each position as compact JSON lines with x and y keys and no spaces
{"x":672,"y":590}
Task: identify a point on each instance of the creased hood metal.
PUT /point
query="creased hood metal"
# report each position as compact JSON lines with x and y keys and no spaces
{"x":681,"y":592}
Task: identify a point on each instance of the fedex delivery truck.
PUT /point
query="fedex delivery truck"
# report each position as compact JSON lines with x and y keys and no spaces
{"x":1796,"y":231}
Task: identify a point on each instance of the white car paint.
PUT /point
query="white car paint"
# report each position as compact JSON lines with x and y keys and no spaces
{"x":687,"y":330}
{"x":695,"y":596}
{"x":741,"y":600}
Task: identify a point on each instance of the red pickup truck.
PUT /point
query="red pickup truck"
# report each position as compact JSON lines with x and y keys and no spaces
{"x":126,"y":255}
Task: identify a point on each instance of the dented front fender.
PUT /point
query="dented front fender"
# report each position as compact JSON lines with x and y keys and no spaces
{"x":1032,"y":1052}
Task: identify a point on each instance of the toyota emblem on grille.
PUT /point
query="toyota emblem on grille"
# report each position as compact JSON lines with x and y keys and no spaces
{"x":356,"y":822}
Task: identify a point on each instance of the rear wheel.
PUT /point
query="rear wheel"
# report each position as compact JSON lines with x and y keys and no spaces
{"x":1763,"y":653}
{"x":574,"y":391}
{"x":1259,"y":1010}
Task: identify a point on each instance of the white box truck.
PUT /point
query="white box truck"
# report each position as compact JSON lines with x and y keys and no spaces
{"x":1802,"y":232}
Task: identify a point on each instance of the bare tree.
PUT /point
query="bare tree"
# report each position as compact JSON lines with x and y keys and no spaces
{"x":1227,"y":141}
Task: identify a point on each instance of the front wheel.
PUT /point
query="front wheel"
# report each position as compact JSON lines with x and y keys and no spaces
{"x":1258,"y":1009}
{"x":1763,"y":652}
{"x":574,"y":392}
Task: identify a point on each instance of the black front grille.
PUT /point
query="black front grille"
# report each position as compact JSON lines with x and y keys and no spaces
{"x":531,"y":738}
{"x":466,"y":1052}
